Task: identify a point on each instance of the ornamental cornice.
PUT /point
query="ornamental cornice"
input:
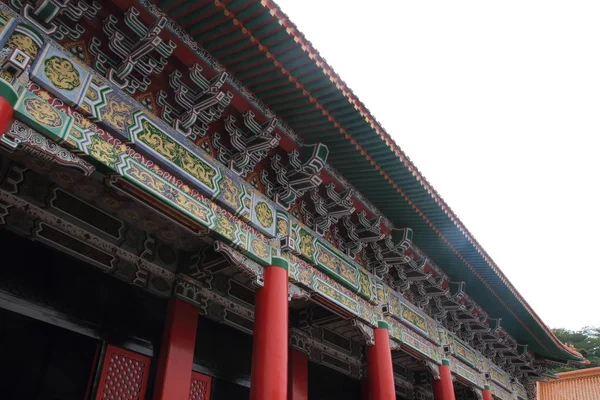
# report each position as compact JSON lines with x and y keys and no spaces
{"x":200,"y":191}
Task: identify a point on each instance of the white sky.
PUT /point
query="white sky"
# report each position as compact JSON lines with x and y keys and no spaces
{"x":498,"y":105}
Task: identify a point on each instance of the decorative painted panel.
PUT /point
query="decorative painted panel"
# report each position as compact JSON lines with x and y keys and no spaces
{"x":26,"y":39}
{"x":302,"y":273}
{"x":104,"y":104}
{"x":263,"y":214}
{"x":158,"y":186}
{"x":474,"y":359}
{"x":37,"y":113}
{"x":416,"y":343}
{"x":384,"y":292}
{"x":132,"y":124}
{"x":500,"y":393}
{"x":154,"y":182}
{"x":318,"y":252}
{"x":66,"y":77}
{"x":124,"y":375}
{"x":463,"y":352}
{"x":413,"y":318}
{"x":7,"y":26}
{"x":467,"y":374}
{"x":499,"y":376}
{"x":367,"y":286}
{"x":336,"y":296}
{"x":20,"y":46}
{"x":403,"y":311}
{"x":152,"y":138}
{"x":333,"y":264}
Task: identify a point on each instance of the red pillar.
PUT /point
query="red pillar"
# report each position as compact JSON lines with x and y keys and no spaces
{"x":379,"y":359}
{"x":443,"y":387}
{"x":298,"y":375}
{"x":177,"y":352}
{"x":487,"y":395}
{"x":6,"y":115}
{"x":270,"y":347}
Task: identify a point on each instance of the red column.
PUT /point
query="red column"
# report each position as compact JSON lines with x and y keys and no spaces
{"x":443,"y":387}
{"x":270,"y":347}
{"x":379,"y":360}
{"x":6,"y":115}
{"x":177,"y":352}
{"x":298,"y":375}
{"x":487,"y":395}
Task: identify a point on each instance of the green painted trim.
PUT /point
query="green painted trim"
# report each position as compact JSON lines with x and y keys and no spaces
{"x":383,"y":324}
{"x":445,"y":362}
{"x":280,"y":262}
{"x":8,"y":92}
{"x":486,"y":387}
{"x":26,"y":28}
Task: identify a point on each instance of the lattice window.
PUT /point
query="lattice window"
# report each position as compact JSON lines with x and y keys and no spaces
{"x":200,"y":387}
{"x":124,"y":375}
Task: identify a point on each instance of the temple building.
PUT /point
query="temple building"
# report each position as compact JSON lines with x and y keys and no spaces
{"x":583,"y":384}
{"x":194,"y":205}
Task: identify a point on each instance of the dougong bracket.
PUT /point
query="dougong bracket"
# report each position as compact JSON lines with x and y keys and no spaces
{"x":293,"y":177}
{"x":132,"y":60}
{"x":250,"y":145}
{"x":195,"y":107}
{"x":58,"y":18}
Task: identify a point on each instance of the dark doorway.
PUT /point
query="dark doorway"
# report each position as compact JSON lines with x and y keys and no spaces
{"x":39,"y":361}
{"x":328,"y":384}
{"x":225,"y":353}
{"x":43,"y":360}
{"x":225,"y":390}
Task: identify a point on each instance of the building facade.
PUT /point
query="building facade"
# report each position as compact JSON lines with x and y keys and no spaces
{"x":583,"y":384}
{"x":195,"y":206}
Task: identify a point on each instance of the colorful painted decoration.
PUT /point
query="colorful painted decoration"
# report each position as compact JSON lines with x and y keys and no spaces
{"x":37,"y":113}
{"x":201,"y":150}
{"x":61,"y":74}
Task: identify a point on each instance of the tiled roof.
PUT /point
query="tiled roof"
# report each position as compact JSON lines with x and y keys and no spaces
{"x":582,"y":384}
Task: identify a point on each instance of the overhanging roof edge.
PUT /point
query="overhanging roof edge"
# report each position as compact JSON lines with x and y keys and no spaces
{"x":293,"y":31}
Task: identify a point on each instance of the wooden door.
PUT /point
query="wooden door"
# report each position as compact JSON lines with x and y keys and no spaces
{"x":200,"y":386}
{"x":124,"y":375}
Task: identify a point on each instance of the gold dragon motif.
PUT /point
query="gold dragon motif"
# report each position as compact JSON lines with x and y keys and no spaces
{"x":62,"y":73}
{"x":23,"y":43}
{"x":176,"y":153}
{"x":42,"y":112}
{"x":264,"y":214}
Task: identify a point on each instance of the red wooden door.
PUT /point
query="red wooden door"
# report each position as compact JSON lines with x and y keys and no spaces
{"x":124,"y":375}
{"x":200,"y":386}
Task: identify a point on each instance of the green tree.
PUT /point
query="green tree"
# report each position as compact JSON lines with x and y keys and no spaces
{"x":586,"y":341}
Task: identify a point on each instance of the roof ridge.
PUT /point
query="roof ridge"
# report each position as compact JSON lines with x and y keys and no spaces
{"x":579,"y":373}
